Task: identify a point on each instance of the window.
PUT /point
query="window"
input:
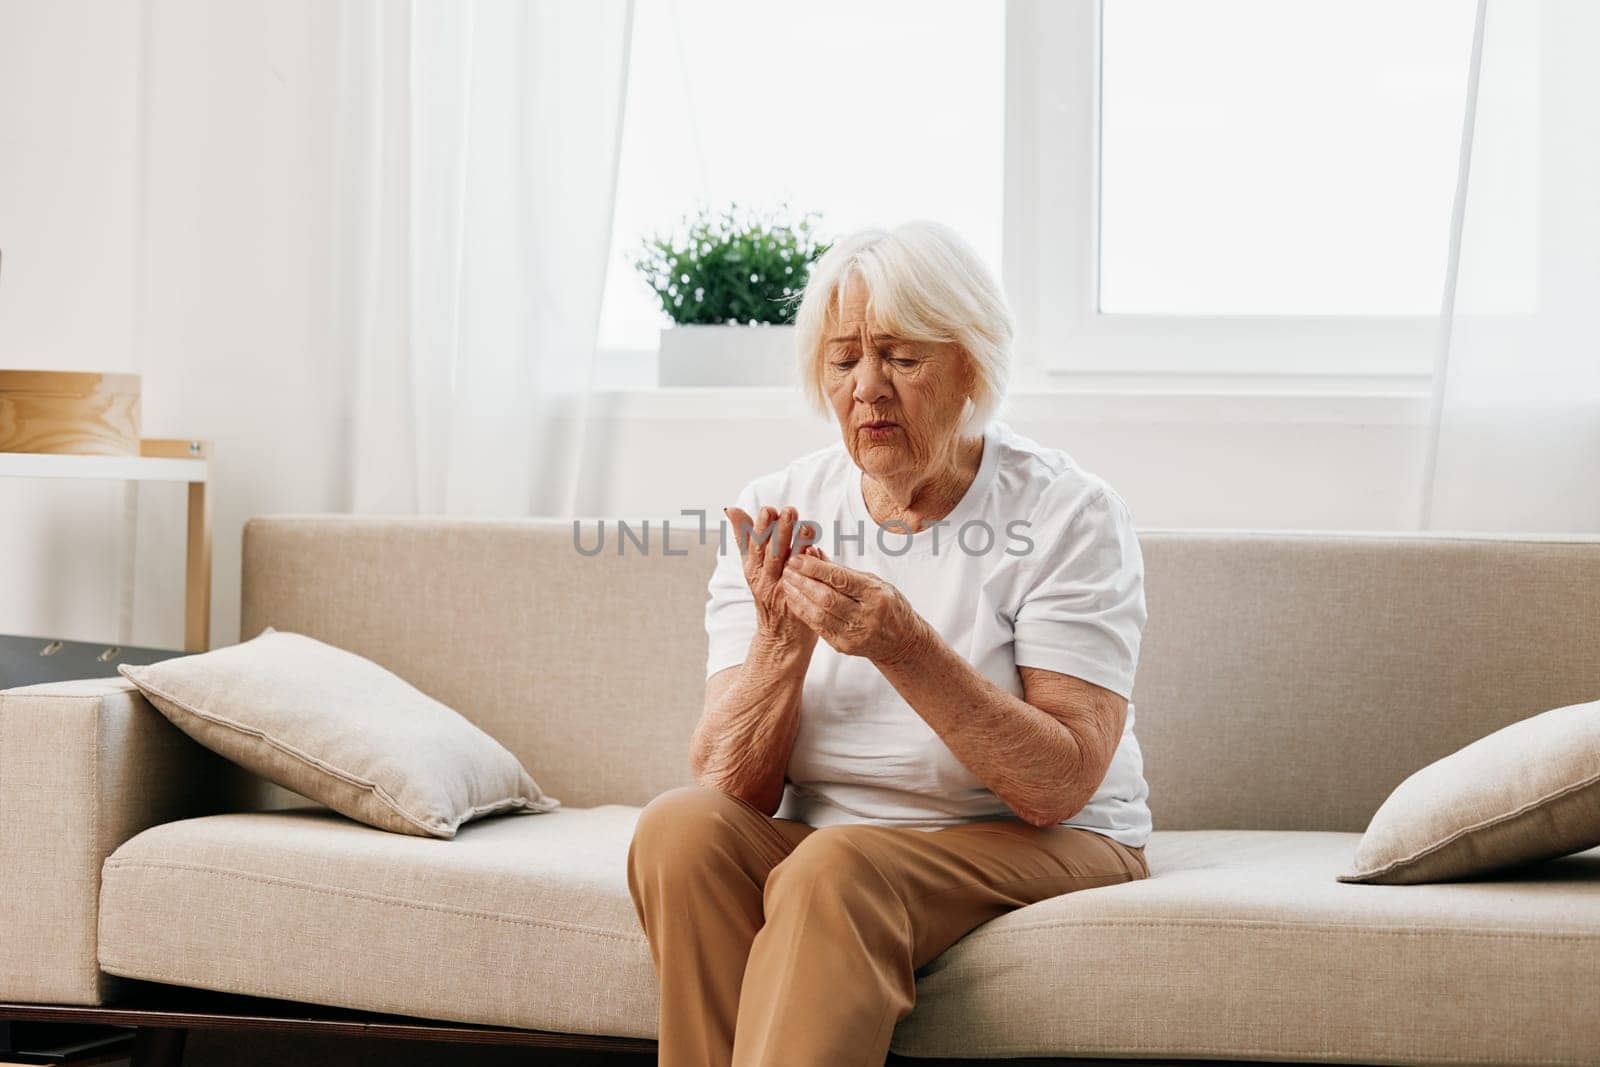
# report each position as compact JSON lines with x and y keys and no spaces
{"x":1235,"y":186}
{"x":1171,"y":187}
{"x":1268,"y":158}
{"x":868,"y":114}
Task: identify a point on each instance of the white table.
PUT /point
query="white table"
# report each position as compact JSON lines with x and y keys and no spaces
{"x":160,"y":460}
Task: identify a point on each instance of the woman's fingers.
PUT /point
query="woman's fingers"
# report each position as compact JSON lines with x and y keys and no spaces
{"x":769,"y":538}
{"x":780,"y":543}
{"x":815,"y":595}
{"x":831,"y":617}
{"x":846,"y":581}
{"x":747,"y":534}
{"x":741,"y":527}
{"x":807,"y":610}
{"x":760,"y":540}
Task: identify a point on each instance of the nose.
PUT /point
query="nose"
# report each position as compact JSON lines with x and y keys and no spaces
{"x":871,"y":381}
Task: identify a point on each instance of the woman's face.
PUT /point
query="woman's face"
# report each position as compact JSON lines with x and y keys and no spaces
{"x":899,"y":402}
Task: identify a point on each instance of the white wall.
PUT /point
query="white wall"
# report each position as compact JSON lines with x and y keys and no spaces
{"x":1262,"y":462}
{"x":235,"y":275}
{"x":165,"y":208}
{"x":204,"y":262}
{"x":69,"y":78}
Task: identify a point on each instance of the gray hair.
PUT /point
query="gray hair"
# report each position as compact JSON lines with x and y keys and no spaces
{"x":924,"y":283}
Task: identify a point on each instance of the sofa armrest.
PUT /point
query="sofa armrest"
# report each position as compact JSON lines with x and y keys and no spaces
{"x":84,"y":766}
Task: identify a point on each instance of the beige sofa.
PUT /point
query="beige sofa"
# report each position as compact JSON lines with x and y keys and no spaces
{"x":1288,"y":682}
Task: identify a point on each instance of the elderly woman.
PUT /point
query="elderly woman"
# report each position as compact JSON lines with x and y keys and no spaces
{"x":917,"y":706}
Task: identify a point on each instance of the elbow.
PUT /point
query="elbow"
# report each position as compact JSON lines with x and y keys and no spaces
{"x":1040,"y":819}
{"x":1058,"y":811}
{"x":1077,"y":786}
{"x":1041,"y":814}
{"x":703,"y":755}
{"x":766,"y":805}
{"x":1046,"y":817}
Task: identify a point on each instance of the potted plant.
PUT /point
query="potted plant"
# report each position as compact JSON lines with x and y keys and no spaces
{"x":730,"y":282}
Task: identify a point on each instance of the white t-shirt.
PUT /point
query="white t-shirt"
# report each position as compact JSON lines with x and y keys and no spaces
{"x":1037,"y":566}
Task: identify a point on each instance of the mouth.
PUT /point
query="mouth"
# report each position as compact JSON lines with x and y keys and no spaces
{"x":879,"y":424}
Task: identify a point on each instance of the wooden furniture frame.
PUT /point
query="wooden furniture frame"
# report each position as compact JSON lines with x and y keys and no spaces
{"x":164,"y":1015}
{"x":159,"y":460}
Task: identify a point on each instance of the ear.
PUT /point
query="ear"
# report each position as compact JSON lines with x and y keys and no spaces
{"x":969,"y":372}
{"x":968,"y":378}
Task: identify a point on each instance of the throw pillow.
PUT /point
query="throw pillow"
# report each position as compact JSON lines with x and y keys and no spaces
{"x":1529,"y":791}
{"x":341,"y":730}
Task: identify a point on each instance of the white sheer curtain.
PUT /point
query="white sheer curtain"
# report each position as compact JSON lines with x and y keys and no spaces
{"x":1517,"y":402}
{"x":478,"y":145}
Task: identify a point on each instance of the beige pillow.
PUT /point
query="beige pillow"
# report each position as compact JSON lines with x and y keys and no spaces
{"x":1529,"y":791}
{"x":339,"y":729}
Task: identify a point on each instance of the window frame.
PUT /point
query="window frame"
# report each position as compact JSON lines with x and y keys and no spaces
{"x":1053,"y":74}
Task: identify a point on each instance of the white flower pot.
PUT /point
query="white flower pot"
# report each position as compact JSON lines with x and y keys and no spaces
{"x":728,"y":357}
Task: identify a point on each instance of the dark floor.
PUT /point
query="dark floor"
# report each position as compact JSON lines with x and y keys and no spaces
{"x":228,"y":1049}
{"x":219,"y":1048}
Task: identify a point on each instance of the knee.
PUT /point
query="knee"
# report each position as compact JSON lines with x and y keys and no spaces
{"x":679,"y":825}
{"x":833,"y":863}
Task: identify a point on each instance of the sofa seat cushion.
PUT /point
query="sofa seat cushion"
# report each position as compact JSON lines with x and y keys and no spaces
{"x":516,"y":922}
{"x":1241,"y":944}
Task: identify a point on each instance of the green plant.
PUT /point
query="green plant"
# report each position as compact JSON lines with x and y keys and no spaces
{"x":731,"y":267}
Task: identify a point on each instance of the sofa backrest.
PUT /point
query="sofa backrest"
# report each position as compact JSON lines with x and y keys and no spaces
{"x":1287,"y":680}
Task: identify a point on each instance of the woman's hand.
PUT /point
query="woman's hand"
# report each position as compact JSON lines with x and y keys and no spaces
{"x":859,"y":614}
{"x":766,"y":545}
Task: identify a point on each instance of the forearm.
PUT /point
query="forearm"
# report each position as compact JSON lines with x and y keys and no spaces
{"x":743,"y":742}
{"x":1026,"y":757}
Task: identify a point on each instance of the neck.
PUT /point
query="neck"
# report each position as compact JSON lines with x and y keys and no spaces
{"x":919,"y":498}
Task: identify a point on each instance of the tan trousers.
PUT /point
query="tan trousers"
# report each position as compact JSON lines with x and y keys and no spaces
{"x":777,"y":942}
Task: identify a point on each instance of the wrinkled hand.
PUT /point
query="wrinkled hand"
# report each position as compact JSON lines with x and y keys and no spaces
{"x":859,"y":614}
{"x":766,"y":545}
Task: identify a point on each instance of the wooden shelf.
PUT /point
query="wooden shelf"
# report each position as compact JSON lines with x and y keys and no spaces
{"x":108,"y":468}
{"x":183,"y":460}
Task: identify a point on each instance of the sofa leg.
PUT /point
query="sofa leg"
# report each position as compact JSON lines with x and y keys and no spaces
{"x":158,"y":1046}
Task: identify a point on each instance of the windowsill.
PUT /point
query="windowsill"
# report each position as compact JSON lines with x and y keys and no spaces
{"x":1076,"y":404}
{"x":625,"y":388}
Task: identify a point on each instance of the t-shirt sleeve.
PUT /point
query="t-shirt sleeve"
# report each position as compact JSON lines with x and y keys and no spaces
{"x":730,"y":608}
{"x":1083,"y":610}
